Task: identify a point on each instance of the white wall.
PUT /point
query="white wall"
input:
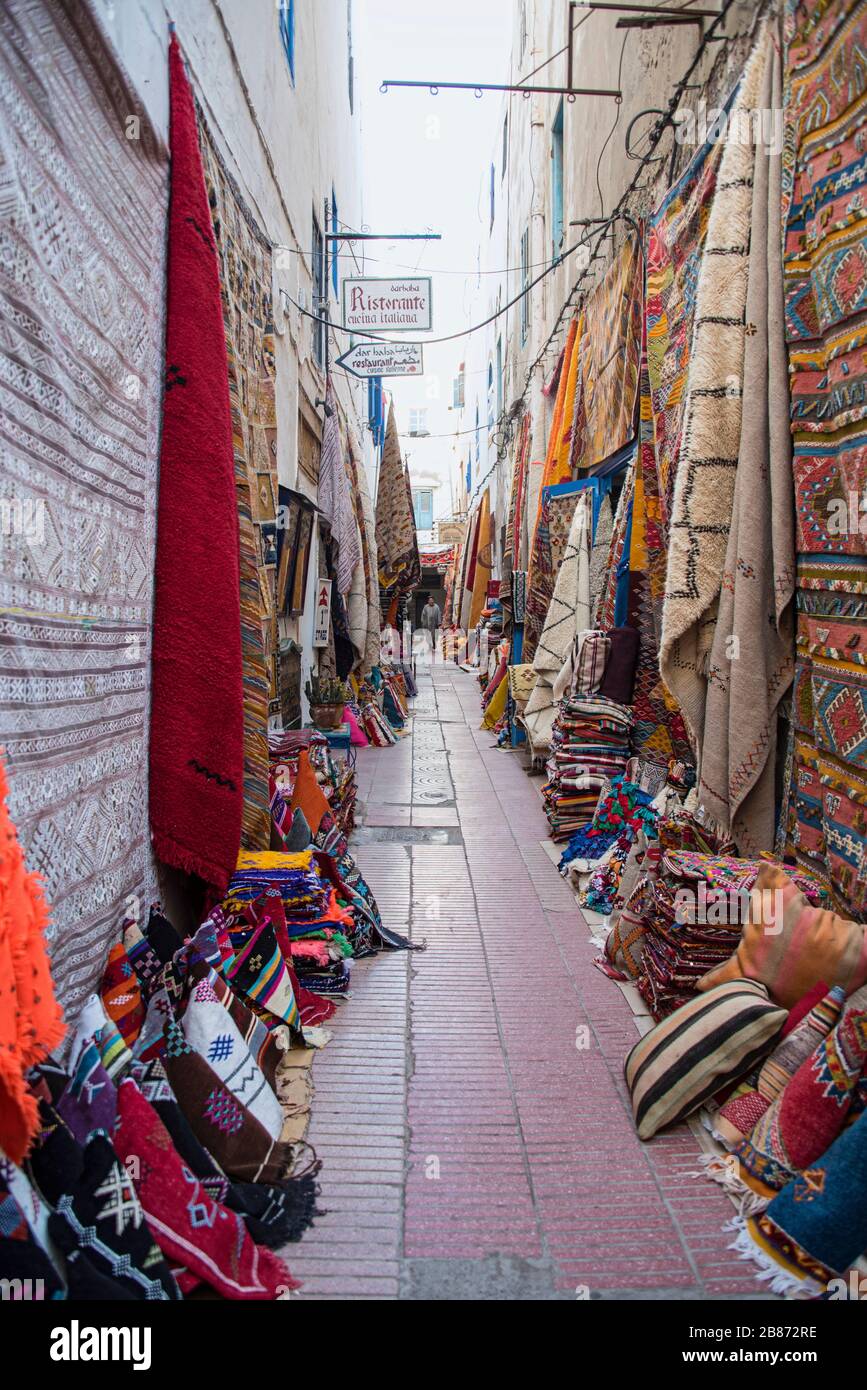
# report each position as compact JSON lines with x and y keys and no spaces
{"x":287,"y":147}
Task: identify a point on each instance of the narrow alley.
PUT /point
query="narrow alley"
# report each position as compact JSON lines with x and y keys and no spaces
{"x":433,"y":666}
{"x":473,"y":1146}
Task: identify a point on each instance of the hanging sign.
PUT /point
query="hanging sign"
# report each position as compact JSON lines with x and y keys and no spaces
{"x":398,"y":306}
{"x":322,"y":616}
{"x":383,"y":359}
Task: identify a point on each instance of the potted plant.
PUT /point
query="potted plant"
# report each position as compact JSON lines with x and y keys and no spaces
{"x":327,"y":697}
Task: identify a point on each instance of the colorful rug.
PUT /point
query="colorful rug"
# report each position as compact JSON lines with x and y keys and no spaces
{"x":396,"y":544}
{"x":82,"y":291}
{"x":568,"y":614}
{"x":484,"y":560}
{"x":676,"y":237}
{"x":209,"y":1242}
{"x":244,"y":255}
{"x":197,"y":715}
{"x":825,"y":277}
{"x":608,"y":360}
{"x":512,"y":550}
{"x":660,"y":733}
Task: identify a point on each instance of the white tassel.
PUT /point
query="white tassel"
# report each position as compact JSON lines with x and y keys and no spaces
{"x":780,"y":1281}
{"x":749,"y":1203}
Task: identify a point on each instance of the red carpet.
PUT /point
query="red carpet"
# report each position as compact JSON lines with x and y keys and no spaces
{"x":196,"y":747}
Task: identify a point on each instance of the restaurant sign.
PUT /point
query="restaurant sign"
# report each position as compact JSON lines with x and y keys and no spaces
{"x":390,"y":305}
{"x":383,"y":359}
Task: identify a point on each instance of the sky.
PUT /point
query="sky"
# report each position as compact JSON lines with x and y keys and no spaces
{"x":426,"y":158}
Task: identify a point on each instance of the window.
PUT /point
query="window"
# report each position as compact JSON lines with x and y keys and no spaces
{"x":505,"y":156}
{"x":523,"y":27}
{"x":418,"y":422}
{"x":490,"y":395}
{"x":557,"y":181}
{"x":469,"y":471}
{"x":335,"y":264}
{"x":493,"y":193}
{"x":525,"y":281}
{"x":478,"y":437}
{"x":422,"y":505}
{"x":317,"y":270}
{"x":286,"y":13}
{"x":458,"y":389}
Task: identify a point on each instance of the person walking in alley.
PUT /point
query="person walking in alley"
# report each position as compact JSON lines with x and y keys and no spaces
{"x":431,"y":620}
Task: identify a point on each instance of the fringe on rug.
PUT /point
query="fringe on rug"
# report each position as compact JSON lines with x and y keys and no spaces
{"x":723,"y":1170}
{"x":779,"y":1280}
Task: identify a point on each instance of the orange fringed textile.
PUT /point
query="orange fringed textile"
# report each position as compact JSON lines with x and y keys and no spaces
{"x":31,"y":1022}
{"x":308,"y":795}
{"x":557,"y":461}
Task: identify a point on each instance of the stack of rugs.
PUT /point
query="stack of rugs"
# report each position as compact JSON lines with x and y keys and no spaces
{"x":310,"y":910}
{"x":772,"y":1050}
{"x":589,"y":746}
{"x":692,"y":916}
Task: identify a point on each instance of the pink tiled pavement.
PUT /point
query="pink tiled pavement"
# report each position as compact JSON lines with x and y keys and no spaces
{"x":470,"y":1148}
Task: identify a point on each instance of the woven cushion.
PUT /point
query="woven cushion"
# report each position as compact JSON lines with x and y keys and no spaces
{"x":790,"y":946}
{"x":690,"y":1054}
{"x":810,"y":1111}
{"x":794,"y":1048}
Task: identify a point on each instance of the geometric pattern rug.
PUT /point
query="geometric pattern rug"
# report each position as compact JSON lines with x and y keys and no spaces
{"x":82,"y":235}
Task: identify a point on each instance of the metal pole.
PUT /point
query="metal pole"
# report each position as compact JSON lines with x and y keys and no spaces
{"x":434,"y":87}
{"x":643,"y":9}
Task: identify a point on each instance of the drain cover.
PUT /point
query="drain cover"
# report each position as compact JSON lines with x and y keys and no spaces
{"x":407,"y":835}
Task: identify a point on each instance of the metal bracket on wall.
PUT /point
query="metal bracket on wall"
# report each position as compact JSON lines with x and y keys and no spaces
{"x":638,"y":17}
{"x":479,"y":87}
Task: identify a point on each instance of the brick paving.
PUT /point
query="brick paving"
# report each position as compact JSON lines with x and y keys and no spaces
{"x":470,"y":1148}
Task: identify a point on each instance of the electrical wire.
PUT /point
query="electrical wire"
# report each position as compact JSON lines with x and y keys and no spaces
{"x":461,"y":333}
{"x":614,"y":126}
{"x":619,"y":212}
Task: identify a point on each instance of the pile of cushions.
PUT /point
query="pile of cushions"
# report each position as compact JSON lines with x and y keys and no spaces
{"x":785,"y":1075}
{"x":170,"y":1153}
{"x":791,"y":941}
{"x":589,"y":746}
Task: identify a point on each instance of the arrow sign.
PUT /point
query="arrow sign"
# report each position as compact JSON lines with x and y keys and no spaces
{"x":383,"y":359}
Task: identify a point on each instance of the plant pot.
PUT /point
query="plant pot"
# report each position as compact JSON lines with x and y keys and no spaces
{"x":327,"y":716}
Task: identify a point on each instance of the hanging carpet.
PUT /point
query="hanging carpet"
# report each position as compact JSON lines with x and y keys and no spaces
{"x":746,"y":683}
{"x":244,"y":257}
{"x":197,"y":717}
{"x":825,"y":278}
{"x":82,"y":230}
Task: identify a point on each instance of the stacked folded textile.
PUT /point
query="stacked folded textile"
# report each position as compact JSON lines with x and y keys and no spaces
{"x":313,"y":925}
{"x":589,"y":746}
{"x":693,"y":914}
